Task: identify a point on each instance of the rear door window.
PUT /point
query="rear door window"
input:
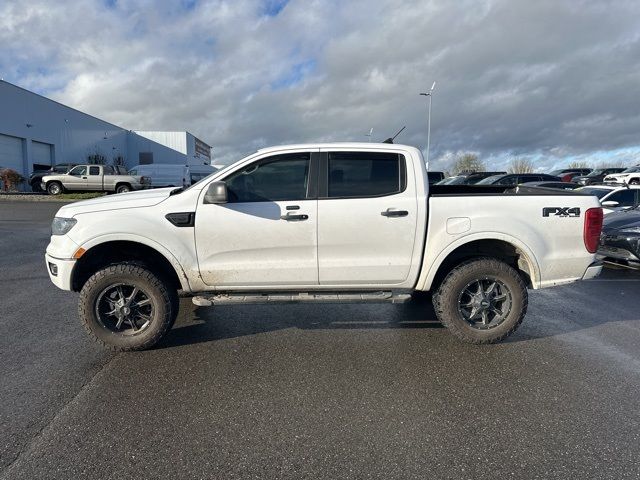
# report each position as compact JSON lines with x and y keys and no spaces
{"x":94,"y":170}
{"x":365,"y":174}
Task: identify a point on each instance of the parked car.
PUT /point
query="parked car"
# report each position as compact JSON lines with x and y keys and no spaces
{"x":319,"y":223}
{"x":513,"y":179}
{"x":613,"y":198}
{"x":620,"y":240}
{"x":597,"y":176}
{"x":93,"y":178}
{"x":434,"y":176}
{"x":165,"y":175}
{"x":469,"y":178}
{"x":35,"y":179}
{"x":558,"y":185}
{"x":563,"y":171}
{"x":631,"y":176}
{"x":568,"y":177}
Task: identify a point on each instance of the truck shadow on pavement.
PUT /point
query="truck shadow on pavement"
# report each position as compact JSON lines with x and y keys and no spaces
{"x":197,"y":324}
{"x":555,"y":312}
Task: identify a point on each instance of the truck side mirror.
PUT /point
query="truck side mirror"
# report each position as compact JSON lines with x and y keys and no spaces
{"x":216,"y":193}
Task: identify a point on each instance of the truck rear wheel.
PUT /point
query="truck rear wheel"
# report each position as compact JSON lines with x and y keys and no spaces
{"x":123,"y":188}
{"x":481,"y":301}
{"x":127,"y":307}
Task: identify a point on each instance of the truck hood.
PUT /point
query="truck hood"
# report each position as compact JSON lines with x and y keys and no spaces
{"x":140,"y":198}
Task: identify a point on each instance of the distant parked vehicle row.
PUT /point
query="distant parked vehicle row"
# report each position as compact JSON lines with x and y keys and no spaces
{"x":596,"y":176}
{"x":468,"y":178}
{"x":514,"y":179}
{"x":172,"y":175}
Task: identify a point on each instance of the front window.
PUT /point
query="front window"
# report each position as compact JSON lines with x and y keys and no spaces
{"x":278,"y":178}
{"x":79,"y":170}
{"x":625,"y":198}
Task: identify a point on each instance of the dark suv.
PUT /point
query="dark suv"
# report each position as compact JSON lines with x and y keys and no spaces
{"x":36,"y":177}
{"x":513,"y":179}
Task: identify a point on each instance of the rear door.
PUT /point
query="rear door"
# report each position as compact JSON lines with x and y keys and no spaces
{"x":367,"y":216}
{"x":94,"y":178}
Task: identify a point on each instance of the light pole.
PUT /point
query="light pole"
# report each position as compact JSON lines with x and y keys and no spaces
{"x":430,"y":95}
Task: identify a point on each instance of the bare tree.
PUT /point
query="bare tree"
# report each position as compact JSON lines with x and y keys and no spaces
{"x":520,"y":165}
{"x":467,"y":162}
{"x":579,"y":165}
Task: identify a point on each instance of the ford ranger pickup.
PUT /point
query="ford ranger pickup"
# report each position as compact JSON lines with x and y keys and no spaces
{"x":343,"y":222}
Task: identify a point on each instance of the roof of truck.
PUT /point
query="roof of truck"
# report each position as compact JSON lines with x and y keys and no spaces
{"x":363,"y":145}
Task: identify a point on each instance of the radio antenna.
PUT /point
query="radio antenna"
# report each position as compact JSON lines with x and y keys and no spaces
{"x":391,"y":139}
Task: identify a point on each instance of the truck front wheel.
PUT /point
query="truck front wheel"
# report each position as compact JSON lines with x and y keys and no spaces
{"x":127,"y":307}
{"x":481,"y":301}
{"x":54,"y":188}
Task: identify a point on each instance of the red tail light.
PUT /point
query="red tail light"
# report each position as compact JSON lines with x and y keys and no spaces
{"x":592,"y":229}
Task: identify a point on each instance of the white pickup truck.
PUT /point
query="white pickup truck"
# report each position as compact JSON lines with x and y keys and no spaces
{"x":344,"y":222}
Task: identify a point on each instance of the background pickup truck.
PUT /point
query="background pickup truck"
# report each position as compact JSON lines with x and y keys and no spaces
{"x":320,"y":223}
{"x":93,"y":178}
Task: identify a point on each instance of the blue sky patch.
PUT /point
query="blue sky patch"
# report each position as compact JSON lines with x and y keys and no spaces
{"x":273,"y":7}
{"x":295,"y":75}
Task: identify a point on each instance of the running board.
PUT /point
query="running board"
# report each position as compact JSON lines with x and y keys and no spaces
{"x":304,"y":297}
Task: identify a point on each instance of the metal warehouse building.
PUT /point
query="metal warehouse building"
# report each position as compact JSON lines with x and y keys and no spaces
{"x":36,"y":133}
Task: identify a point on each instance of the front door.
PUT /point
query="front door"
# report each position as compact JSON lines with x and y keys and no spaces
{"x":77,"y":178}
{"x":94,"y":179}
{"x":367,"y":216}
{"x":266,"y":235}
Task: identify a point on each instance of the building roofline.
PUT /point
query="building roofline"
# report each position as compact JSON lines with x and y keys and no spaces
{"x":62,"y":104}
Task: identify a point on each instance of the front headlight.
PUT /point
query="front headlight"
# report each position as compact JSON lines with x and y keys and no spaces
{"x":61,"y":226}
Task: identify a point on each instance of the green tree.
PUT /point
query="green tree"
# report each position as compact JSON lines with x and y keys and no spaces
{"x":520,"y":165}
{"x":467,"y":162}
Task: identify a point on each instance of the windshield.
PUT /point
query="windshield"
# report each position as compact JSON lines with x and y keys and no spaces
{"x":489,"y":180}
{"x":632,"y":169}
{"x":595,"y":173}
{"x":598,"y":192}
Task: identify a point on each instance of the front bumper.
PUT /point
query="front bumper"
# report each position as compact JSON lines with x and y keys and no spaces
{"x":60,"y":271}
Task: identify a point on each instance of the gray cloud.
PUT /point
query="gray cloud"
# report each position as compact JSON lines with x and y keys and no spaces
{"x":544,"y":79}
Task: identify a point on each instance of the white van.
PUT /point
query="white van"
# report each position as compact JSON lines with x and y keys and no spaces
{"x":172,"y":175}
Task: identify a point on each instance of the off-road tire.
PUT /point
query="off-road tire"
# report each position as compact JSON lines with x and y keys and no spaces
{"x":165,"y":300}
{"x":123,"y":188}
{"x":55,"y":188}
{"x":445,"y":300}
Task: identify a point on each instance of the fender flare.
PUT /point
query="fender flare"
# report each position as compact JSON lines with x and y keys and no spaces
{"x":427,"y":276}
{"x":129,"y":237}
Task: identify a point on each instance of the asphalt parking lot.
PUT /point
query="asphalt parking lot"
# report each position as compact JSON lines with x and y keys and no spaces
{"x":330,"y":391}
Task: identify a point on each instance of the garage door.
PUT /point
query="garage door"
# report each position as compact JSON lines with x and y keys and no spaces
{"x":40,"y":155}
{"x":11,"y":152}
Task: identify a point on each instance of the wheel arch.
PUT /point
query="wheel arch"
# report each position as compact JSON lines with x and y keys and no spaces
{"x":101,"y":252}
{"x":501,"y":247}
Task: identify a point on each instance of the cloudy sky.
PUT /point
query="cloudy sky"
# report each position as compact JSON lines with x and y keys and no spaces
{"x":550,"y":80}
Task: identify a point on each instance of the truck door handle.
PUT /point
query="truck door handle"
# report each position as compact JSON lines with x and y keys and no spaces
{"x":289,"y":217}
{"x":394,"y":213}
{"x":84,"y":178}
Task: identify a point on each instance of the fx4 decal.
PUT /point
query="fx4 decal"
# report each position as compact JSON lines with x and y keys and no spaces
{"x":561,"y":211}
